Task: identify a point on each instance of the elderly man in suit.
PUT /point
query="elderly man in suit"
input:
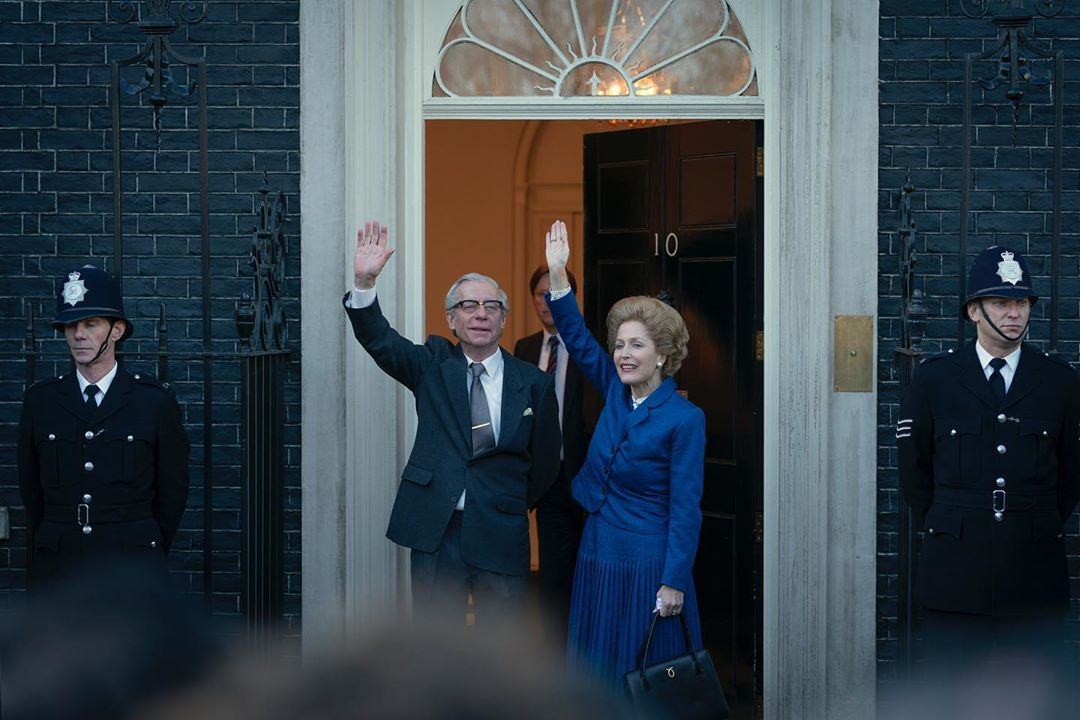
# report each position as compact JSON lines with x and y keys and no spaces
{"x":558,"y":518}
{"x":487,"y":441}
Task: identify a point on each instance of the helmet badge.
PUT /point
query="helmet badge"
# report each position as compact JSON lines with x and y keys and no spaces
{"x":1009,"y":270}
{"x":74,"y":289}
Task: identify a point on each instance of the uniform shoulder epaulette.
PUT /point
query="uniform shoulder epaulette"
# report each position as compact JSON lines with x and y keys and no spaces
{"x":930,"y":357}
{"x":1060,"y":360}
{"x":44,"y":382}
{"x":151,"y":381}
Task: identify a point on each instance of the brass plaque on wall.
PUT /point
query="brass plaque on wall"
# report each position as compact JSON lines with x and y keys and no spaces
{"x":853,"y":353}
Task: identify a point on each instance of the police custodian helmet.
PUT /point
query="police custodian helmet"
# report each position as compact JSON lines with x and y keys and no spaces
{"x":998,"y":272}
{"x":89,"y":292}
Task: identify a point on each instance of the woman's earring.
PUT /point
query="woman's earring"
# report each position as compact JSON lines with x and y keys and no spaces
{"x":660,"y":364}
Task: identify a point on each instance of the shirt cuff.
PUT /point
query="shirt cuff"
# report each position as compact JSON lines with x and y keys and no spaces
{"x":360,"y":299}
{"x":556,"y":294}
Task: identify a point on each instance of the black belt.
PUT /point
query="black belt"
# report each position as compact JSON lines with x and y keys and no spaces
{"x":997,"y":500}
{"x":86,"y":513}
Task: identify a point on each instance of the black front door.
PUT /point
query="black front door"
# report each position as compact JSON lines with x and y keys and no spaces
{"x":675,"y":208}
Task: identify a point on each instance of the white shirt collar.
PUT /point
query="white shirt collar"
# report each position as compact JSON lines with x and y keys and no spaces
{"x":493,"y":365}
{"x":984,"y":357}
{"x":102,"y":384}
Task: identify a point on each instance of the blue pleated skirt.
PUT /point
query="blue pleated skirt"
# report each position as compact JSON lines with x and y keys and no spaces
{"x":615,"y":581}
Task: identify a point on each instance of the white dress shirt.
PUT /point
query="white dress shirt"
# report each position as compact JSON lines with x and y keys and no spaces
{"x":102,"y":384}
{"x":1007,"y":370}
{"x":492,"y":380}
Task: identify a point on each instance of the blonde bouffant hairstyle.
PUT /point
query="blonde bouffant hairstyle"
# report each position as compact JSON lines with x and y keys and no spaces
{"x":663,"y":323}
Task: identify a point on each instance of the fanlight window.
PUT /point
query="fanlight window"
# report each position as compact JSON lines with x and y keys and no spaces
{"x":562,"y":48}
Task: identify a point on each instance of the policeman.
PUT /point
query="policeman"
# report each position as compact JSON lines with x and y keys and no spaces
{"x":989,"y":455}
{"x":102,"y":453}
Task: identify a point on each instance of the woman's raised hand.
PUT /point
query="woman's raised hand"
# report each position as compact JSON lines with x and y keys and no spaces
{"x":371,"y":254}
{"x":558,"y":254}
{"x":558,"y":247}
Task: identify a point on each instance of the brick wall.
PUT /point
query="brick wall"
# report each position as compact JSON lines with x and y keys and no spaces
{"x":922,"y":48}
{"x":56,"y":213}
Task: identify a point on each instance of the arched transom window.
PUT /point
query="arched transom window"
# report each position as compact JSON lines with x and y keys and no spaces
{"x":562,"y":48}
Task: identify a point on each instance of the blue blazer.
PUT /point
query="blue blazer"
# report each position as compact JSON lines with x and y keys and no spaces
{"x":502,"y":482}
{"x":643,"y":471}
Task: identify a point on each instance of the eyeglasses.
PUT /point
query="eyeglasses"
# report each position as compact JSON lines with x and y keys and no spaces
{"x":471,"y":306}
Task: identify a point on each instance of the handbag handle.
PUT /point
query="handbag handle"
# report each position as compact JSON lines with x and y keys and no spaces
{"x":643,"y":651}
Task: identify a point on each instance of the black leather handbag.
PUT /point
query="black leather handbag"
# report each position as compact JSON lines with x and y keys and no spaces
{"x":685,"y":687}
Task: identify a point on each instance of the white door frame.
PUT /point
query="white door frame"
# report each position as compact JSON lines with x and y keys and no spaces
{"x":364,"y":81}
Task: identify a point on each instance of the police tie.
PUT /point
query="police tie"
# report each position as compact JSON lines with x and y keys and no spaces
{"x":91,"y":392}
{"x":997,"y":380}
{"x":553,"y":355}
{"x":483,"y":436}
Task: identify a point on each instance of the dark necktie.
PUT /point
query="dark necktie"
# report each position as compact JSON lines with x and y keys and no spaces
{"x":91,"y":392}
{"x":553,"y":355}
{"x":997,"y":380}
{"x":483,"y":436}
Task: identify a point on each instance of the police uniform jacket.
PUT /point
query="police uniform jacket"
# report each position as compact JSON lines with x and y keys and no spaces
{"x":994,"y":481}
{"x":120,"y":469}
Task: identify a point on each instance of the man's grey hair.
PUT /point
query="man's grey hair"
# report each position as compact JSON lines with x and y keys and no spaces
{"x":452,"y":294}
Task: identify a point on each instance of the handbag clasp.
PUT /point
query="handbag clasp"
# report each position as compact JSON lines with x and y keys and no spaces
{"x":671,"y":672}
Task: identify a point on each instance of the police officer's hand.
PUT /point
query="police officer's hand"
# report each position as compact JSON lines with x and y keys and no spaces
{"x":371,"y":254}
{"x":557,"y":247}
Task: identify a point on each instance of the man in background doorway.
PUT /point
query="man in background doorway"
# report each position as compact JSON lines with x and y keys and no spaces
{"x":558,"y":518}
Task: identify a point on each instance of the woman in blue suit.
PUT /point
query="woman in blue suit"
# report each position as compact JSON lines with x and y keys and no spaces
{"x":641,"y":482}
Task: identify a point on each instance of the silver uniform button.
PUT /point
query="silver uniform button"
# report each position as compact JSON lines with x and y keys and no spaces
{"x":89,"y":435}
{"x":930,"y":530}
{"x":1001,"y":418}
{"x":1045,"y":434}
{"x":136,"y":377}
{"x":952,"y":433}
{"x":999,"y":516}
{"x":1001,"y":449}
{"x":153,"y":543}
{"x":86,"y":498}
{"x":51,"y":436}
{"x":1001,"y":482}
{"x":88,"y":466}
{"x":130,"y":438}
{"x":86,"y":529}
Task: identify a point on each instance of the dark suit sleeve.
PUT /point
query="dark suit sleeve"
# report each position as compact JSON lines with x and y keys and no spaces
{"x":171,"y":492}
{"x":29,"y":472}
{"x":545,"y":443}
{"x":397,"y":357}
{"x":915,"y":446}
{"x":1069,"y":452}
{"x":684,"y":500}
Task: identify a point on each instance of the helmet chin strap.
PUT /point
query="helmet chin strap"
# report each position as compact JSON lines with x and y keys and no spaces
{"x":104,"y":345}
{"x":1018,"y":338}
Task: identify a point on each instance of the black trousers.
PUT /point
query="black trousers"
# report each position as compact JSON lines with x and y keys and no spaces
{"x":442,"y":582}
{"x":975,"y":665}
{"x":559,"y":522}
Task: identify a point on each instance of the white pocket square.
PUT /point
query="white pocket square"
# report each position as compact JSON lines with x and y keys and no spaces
{"x":528,"y":411}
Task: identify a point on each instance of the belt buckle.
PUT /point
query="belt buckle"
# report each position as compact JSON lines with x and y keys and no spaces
{"x":82,"y":514}
{"x":999,"y":496}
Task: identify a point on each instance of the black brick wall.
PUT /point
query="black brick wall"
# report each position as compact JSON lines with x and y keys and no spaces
{"x":922,"y":48}
{"x":56,"y":213}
